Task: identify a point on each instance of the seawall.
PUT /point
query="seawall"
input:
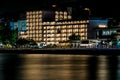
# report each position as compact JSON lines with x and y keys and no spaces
{"x":75,"y":51}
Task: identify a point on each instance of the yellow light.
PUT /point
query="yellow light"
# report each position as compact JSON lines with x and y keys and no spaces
{"x":87,"y":9}
{"x":53,"y":5}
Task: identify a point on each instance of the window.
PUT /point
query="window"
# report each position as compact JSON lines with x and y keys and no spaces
{"x":58,"y":31}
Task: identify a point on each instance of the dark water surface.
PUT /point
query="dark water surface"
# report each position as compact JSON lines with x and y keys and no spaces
{"x":59,"y":67}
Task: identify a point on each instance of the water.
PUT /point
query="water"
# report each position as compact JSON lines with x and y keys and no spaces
{"x":59,"y":67}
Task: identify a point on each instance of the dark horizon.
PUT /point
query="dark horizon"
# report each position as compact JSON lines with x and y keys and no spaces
{"x":99,"y":8}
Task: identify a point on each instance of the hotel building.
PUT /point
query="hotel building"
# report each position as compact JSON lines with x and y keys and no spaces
{"x":53,"y":27}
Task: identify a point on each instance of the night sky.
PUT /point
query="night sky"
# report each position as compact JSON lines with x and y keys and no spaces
{"x":99,"y":8}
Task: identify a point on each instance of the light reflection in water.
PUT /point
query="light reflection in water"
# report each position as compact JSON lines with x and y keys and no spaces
{"x":1,"y":66}
{"x":59,"y":67}
{"x":54,"y":67}
{"x":118,"y":67}
{"x":102,"y":71}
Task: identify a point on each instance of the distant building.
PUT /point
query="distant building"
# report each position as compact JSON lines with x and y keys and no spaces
{"x":20,"y":25}
{"x":13,"y":25}
{"x":99,"y":29}
{"x":96,"y":23}
{"x":105,"y":33}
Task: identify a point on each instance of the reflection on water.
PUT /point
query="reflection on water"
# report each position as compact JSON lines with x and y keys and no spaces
{"x":118,"y":71}
{"x":59,"y":67}
{"x":54,"y":67}
{"x":102,"y":69}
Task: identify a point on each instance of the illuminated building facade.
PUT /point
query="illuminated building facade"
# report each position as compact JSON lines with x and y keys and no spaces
{"x":96,"y":23}
{"x":52,"y":27}
{"x":105,"y":33}
{"x":20,"y":25}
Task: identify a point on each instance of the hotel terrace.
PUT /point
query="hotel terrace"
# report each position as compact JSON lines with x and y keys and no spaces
{"x":53,"y":27}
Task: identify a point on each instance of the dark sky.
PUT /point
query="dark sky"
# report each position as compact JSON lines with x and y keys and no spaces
{"x":105,"y":8}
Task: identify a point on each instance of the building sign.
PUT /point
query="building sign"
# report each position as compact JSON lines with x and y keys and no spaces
{"x":108,"y":32}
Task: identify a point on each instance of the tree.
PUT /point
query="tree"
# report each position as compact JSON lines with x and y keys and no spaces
{"x":22,"y":41}
{"x":113,"y":37}
{"x":25,"y":42}
{"x":32,"y":42}
{"x":14,"y":35}
{"x":74,"y":37}
{"x":1,"y":32}
{"x":5,"y":31}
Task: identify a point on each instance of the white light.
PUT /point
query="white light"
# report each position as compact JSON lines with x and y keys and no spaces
{"x":102,"y":26}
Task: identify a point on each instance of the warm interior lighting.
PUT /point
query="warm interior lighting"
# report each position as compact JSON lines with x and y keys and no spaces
{"x":47,"y":31}
{"x":102,"y":26}
{"x":53,"y":5}
{"x":87,"y":9}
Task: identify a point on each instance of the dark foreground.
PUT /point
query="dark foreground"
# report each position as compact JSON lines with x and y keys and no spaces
{"x":86,"y":51}
{"x":59,"y":67}
{"x":59,"y":64}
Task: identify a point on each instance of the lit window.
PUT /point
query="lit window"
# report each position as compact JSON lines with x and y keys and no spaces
{"x":69,"y":17}
{"x":61,"y":12}
{"x":56,"y":12}
{"x":65,"y":13}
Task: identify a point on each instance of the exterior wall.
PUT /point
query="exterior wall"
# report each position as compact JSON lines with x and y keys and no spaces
{"x":34,"y":25}
{"x":94,"y":24}
{"x":21,"y":25}
{"x":62,"y":15}
{"x":60,"y":31}
{"x":105,"y":33}
{"x":22,"y":29}
{"x":53,"y":32}
{"x":13,"y":25}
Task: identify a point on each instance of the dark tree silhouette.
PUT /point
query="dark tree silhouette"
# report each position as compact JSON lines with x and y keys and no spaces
{"x":5,"y":32}
{"x":74,"y":37}
{"x":22,"y":41}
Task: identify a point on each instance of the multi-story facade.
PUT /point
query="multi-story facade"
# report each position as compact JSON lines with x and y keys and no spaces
{"x":96,"y":23}
{"x":52,"y":27}
{"x":13,"y":25}
{"x":22,"y":29}
{"x":20,"y":25}
{"x":105,"y":33}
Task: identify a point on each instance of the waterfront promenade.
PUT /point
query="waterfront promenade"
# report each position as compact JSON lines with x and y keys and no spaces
{"x":89,"y":51}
